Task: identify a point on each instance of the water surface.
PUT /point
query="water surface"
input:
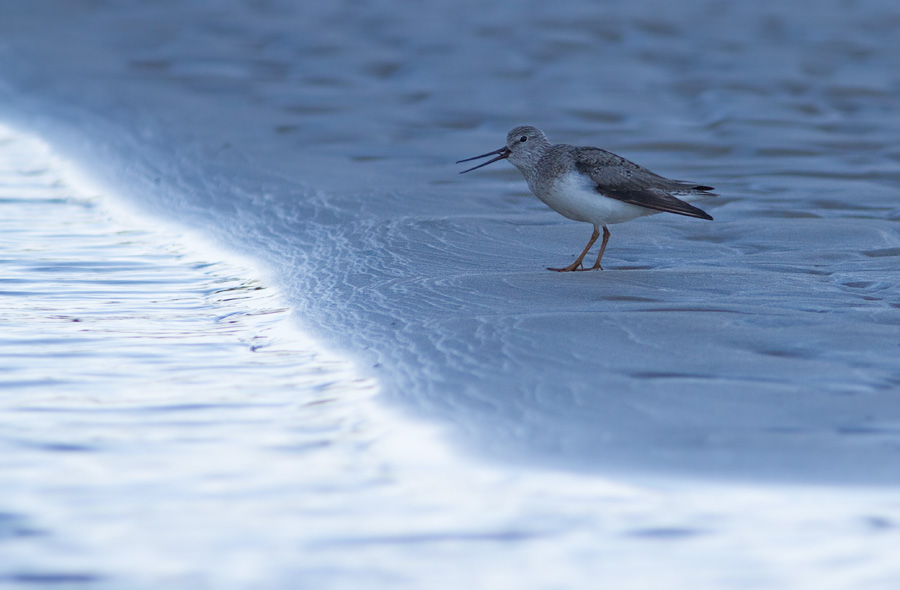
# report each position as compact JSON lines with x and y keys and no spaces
{"x":749,"y":355}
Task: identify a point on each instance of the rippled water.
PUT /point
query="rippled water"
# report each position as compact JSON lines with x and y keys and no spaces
{"x":737,"y":379}
{"x":140,"y":381}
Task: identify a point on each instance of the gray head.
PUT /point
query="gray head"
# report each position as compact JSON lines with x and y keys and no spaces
{"x":525,"y":145}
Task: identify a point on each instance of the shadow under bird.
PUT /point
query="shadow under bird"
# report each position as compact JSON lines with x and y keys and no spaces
{"x":593,"y":185}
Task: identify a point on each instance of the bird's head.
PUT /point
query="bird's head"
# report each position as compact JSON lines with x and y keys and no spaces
{"x":524,"y":147}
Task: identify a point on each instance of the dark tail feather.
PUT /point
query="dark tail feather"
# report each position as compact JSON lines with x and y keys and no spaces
{"x":679,"y":207}
{"x":696,"y":212}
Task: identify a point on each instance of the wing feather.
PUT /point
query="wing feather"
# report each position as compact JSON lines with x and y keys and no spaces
{"x":623,"y":180}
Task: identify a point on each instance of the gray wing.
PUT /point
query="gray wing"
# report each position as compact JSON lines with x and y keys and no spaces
{"x":626,"y":181}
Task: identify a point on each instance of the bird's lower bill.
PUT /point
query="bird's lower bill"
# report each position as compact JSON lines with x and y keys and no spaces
{"x":503,"y":154}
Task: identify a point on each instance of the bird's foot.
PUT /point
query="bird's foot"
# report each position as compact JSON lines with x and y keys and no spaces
{"x":575,"y":266}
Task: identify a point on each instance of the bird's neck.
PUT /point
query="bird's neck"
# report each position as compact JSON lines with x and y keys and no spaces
{"x":528,"y":164}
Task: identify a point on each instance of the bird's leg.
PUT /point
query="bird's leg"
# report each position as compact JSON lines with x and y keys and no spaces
{"x":602,"y":249}
{"x":577,"y":263}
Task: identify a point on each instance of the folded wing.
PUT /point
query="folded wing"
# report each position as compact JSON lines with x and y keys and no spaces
{"x":623,"y":180}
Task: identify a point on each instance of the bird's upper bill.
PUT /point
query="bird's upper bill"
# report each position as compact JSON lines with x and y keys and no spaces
{"x":501,"y":154}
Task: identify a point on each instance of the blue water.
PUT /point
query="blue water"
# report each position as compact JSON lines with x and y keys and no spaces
{"x":721,"y":402}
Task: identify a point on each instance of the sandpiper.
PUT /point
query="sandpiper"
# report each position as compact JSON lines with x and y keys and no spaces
{"x":593,"y":185}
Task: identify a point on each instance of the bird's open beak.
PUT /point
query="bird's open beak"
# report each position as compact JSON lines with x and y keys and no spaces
{"x":503,"y":154}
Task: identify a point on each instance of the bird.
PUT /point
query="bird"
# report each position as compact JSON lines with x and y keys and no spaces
{"x":593,"y":185}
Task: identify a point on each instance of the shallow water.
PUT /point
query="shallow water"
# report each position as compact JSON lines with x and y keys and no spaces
{"x":756,"y":349}
{"x":141,"y":380}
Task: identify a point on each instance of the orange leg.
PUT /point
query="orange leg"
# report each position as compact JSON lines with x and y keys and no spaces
{"x":575,"y":265}
{"x":602,"y":249}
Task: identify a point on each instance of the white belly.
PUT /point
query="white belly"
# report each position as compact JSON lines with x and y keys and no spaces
{"x":575,"y":196}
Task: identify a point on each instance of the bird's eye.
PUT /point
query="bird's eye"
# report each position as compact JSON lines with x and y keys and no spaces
{"x":523,"y":139}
